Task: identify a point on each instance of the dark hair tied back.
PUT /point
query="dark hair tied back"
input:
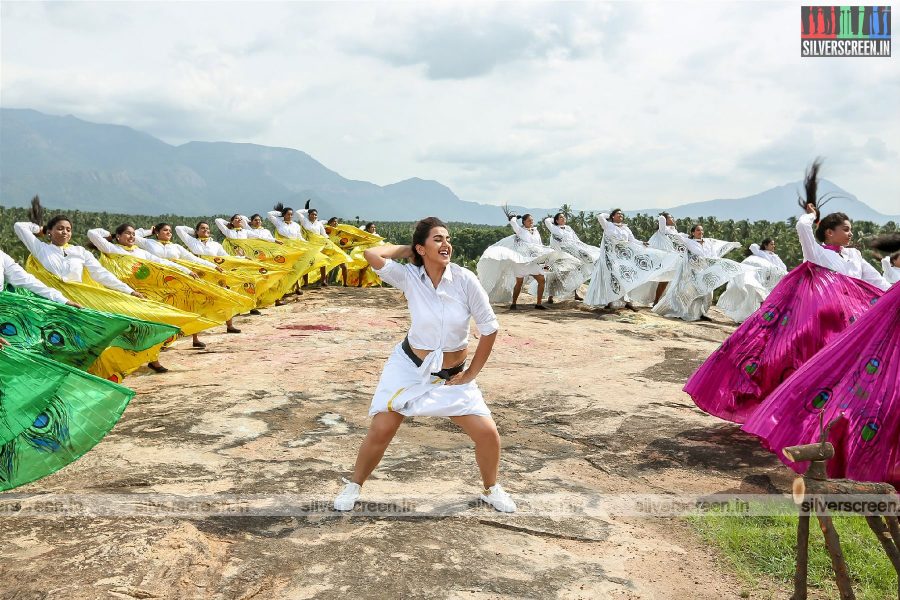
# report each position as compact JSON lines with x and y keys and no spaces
{"x":829,"y":222}
{"x":121,"y":228}
{"x":420,"y":236}
{"x":280,"y":207}
{"x":158,"y":227}
{"x":556,"y":218}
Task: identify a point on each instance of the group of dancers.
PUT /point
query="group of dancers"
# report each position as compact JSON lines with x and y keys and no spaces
{"x":821,"y":346}
{"x":72,"y":327}
{"x":675,"y":273}
{"x":820,"y":358}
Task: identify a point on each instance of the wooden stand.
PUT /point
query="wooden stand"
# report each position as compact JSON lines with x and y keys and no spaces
{"x":815,"y":484}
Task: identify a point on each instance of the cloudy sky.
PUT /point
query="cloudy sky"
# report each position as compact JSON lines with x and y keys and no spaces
{"x":591,"y":104}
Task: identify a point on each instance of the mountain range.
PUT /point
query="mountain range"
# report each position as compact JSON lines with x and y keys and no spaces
{"x":72,"y":163}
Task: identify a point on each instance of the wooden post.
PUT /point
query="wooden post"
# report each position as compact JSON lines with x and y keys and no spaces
{"x":881,"y":532}
{"x":833,"y":543}
{"x":894,"y":528}
{"x":802,"y":558}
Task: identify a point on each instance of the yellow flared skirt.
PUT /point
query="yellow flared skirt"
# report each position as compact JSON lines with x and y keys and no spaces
{"x":170,"y":286}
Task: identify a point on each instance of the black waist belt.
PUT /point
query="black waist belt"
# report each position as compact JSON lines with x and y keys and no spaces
{"x":443,"y":373}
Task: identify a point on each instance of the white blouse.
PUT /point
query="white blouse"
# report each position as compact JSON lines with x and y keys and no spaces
{"x":290,"y":230}
{"x":167,"y":249}
{"x":529,"y":234}
{"x":16,"y":276}
{"x":767,"y":255}
{"x":232,"y":234}
{"x":314,"y":226}
{"x":891,"y":273}
{"x":617,"y":231}
{"x":440,"y":316}
{"x":255,"y":233}
{"x":566,"y":233}
{"x":848,"y":261}
{"x":67,"y":262}
{"x":98,"y":238}
{"x":209,"y":247}
{"x":663,"y":228}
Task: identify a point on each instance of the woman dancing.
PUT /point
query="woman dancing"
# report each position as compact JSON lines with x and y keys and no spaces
{"x":744,"y":294}
{"x":61,"y":265}
{"x":625,"y":264}
{"x":256,"y":229}
{"x":564,"y":239}
{"x":191,"y":295}
{"x":699,"y":271}
{"x":853,"y":385}
{"x":426,"y":373}
{"x":315,"y":230}
{"x":806,"y":310}
{"x":504,"y":266}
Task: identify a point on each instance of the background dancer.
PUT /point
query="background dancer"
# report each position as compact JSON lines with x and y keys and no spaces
{"x":805,"y":311}
{"x":625,"y":265}
{"x":564,"y":239}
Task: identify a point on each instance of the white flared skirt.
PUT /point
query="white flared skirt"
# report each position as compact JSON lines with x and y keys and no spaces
{"x":402,"y":389}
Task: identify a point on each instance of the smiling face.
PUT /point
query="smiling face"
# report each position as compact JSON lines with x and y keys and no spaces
{"x":61,"y":233}
{"x":203,"y":230}
{"x":236,"y":221}
{"x":617,"y":217}
{"x":437,"y":250}
{"x":697,"y":233}
{"x":288,"y":216}
{"x":164,"y":234}
{"x":313,"y":215}
{"x":528,"y":222}
{"x":371,"y":228}
{"x":333,"y":222}
{"x":670,"y":221}
{"x":126,"y":238}
{"x":256,"y":222}
{"x":561,"y":221}
{"x":770,"y":246}
{"x":841,"y":235}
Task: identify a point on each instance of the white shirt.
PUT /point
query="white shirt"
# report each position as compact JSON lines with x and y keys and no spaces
{"x":767,"y":255}
{"x":210,"y":247}
{"x":617,"y":231}
{"x":16,"y":276}
{"x":440,"y":316}
{"x":68,"y":262}
{"x":848,"y":261}
{"x":255,"y":233}
{"x":564,"y":232}
{"x":529,"y":235}
{"x":314,"y":226}
{"x":231,"y":234}
{"x":663,"y":228}
{"x":167,"y":249}
{"x":98,"y":238}
{"x":290,"y":230}
{"x":891,"y":273}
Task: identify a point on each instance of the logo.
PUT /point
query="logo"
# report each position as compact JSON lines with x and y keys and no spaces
{"x":845,"y":31}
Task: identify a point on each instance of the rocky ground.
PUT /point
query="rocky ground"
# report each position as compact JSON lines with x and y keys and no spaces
{"x":589,"y":406}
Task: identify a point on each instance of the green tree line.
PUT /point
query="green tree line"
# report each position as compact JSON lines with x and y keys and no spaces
{"x":470,"y":241}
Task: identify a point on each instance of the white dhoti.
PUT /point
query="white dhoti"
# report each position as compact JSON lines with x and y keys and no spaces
{"x":404,"y":389}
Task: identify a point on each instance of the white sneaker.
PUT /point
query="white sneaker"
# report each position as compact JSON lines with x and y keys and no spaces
{"x":348,"y":496}
{"x":499,"y":499}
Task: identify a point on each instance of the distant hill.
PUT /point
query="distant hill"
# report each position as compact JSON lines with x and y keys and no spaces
{"x":76,"y":164}
{"x":777,"y":204}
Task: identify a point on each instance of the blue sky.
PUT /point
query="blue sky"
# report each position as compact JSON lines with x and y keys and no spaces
{"x":591,"y":104}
